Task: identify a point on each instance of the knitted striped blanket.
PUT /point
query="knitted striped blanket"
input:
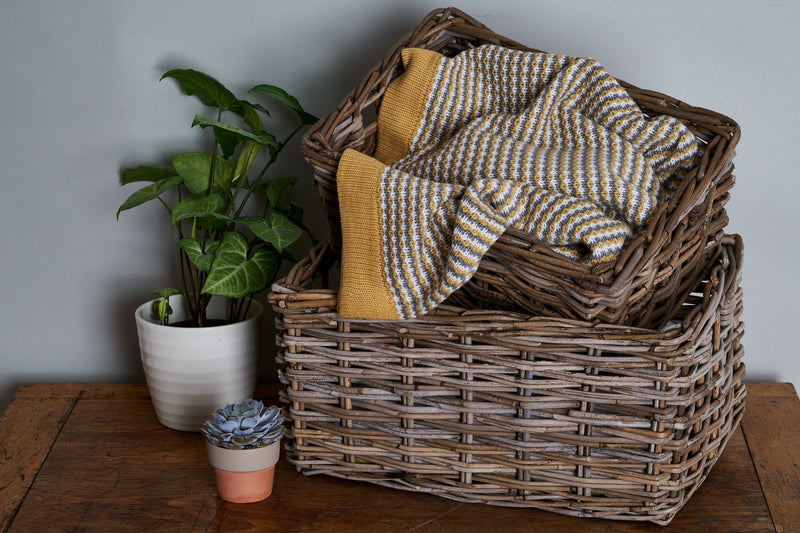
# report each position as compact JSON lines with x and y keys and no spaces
{"x":490,"y":139}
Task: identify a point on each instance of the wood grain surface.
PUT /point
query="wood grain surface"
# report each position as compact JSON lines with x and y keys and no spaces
{"x":94,"y":458}
{"x":772,"y":430}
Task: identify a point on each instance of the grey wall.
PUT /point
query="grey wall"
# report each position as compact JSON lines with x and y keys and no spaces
{"x":80,"y":99}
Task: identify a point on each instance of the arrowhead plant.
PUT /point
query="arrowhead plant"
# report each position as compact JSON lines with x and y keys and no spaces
{"x":225,"y":250}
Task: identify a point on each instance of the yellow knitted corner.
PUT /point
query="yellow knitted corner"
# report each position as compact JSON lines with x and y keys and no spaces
{"x":363,"y":292}
{"x":403,"y":105}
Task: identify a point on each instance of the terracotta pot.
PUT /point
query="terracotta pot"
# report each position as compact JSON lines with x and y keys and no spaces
{"x":192,"y":371}
{"x":244,"y":476}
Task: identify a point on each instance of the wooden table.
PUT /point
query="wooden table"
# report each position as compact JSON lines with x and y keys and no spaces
{"x":94,"y":458}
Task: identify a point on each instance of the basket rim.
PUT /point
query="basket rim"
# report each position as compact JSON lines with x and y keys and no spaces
{"x":723,"y":273}
{"x":448,"y":16}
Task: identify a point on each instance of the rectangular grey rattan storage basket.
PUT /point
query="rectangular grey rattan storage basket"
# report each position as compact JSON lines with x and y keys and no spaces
{"x":643,"y":287}
{"x":581,"y":418}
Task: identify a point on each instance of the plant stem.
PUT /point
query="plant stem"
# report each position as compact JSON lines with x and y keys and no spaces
{"x":246,"y":309}
{"x":231,"y":200}
{"x":185,"y":281}
{"x":212,"y":166}
{"x":165,"y":205}
{"x":260,"y":177}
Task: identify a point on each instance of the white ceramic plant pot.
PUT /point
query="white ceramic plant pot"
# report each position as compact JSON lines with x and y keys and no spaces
{"x":244,"y":476}
{"x":192,"y":371}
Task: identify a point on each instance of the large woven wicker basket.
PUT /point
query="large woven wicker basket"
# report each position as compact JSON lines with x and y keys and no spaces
{"x":644,"y":286}
{"x":580,"y":418}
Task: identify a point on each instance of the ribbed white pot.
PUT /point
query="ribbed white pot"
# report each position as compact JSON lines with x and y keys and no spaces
{"x":192,"y":371}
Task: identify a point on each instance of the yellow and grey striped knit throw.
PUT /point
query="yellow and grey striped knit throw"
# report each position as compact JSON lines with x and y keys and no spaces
{"x":490,"y":139}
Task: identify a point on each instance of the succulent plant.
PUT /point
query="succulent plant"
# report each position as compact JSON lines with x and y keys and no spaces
{"x":249,"y":424}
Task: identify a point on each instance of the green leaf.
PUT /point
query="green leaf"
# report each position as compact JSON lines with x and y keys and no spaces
{"x":195,"y":168}
{"x":166,"y":293}
{"x":245,"y":161}
{"x":295,"y":214}
{"x":247,"y":110}
{"x":260,"y":107}
{"x":207,"y":206}
{"x":201,"y":257}
{"x":274,"y":189}
{"x":286,"y":99}
{"x":161,"y":308}
{"x":208,"y":89}
{"x":279,"y":231}
{"x":227,"y":142}
{"x":150,"y":192}
{"x":261,"y":137}
{"x":235,"y":275}
{"x":144,"y":173}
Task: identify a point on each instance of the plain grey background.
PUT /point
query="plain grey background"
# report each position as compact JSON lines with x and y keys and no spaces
{"x":80,"y":99}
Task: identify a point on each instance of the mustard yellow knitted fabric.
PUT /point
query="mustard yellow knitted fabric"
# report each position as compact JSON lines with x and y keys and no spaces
{"x":490,"y":139}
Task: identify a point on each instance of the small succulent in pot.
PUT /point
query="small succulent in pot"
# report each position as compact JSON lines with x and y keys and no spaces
{"x":245,"y":425}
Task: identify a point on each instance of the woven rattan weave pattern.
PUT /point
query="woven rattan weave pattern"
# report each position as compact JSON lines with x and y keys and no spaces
{"x":643,"y":287}
{"x":580,"y":418}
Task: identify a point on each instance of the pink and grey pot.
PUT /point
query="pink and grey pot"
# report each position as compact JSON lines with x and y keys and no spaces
{"x":243,"y":445}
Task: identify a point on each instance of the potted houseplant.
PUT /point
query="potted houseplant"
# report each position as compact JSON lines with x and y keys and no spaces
{"x":230,"y":248}
{"x":243,"y":445}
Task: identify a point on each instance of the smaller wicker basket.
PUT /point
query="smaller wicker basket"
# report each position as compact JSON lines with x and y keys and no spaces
{"x":580,"y":418}
{"x":644,"y":286}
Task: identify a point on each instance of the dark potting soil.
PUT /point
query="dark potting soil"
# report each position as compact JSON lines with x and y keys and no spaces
{"x":209,"y":323}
